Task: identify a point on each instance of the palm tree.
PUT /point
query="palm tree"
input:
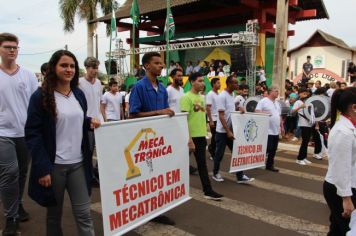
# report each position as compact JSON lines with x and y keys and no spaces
{"x":86,"y":10}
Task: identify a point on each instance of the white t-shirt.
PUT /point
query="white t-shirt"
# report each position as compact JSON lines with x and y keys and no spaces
{"x":274,"y":109}
{"x":239,"y":101}
{"x":330,"y":92}
{"x":93,"y":94}
{"x":262,"y":75}
{"x":113,"y":105}
{"x":221,"y":74}
{"x":302,"y":122}
{"x":174,"y":97}
{"x":69,"y":129}
{"x":226,"y":103}
{"x":15,"y":93}
{"x":127,"y":97}
{"x":212,"y":99}
{"x":211,"y":74}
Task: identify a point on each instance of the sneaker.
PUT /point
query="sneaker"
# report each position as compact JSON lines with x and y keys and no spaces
{"x":301,"y":162}
{"x":23,"y":215}
{"x":307,"y":161}
{"x":213,"y":196}
{"x":245,"y":179}
{"x":218,"y":178}
{"x":165,"y":220}
{"x":294,"y":139}
{"x":211,"y":158}
{"x":318,"y":156}
{"x":12,"y":225}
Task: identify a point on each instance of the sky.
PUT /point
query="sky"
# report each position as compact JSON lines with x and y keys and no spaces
{"x":39,"y":27}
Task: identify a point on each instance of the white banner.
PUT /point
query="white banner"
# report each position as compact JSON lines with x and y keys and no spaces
{"x":250,"y":144}
{"x":143,"y":168}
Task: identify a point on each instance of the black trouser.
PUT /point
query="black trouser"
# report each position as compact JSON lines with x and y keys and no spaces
{"x":306,"y":134}
{"x":221,"y":141}
{"x":338,"y":224}
{"x":272,"y":145}
{"x":212,"y":145}
{"x":291,"y":124}
{"x":199,"y":153}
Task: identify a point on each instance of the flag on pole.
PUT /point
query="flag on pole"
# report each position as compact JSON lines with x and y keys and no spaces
{"x":113,"y":26}
{"x":135,"y":13}
{"x":170,"y":23}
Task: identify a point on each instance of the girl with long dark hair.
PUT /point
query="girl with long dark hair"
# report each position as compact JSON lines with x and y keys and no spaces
{"x":340,"y":181}
{"x":56,"y":134}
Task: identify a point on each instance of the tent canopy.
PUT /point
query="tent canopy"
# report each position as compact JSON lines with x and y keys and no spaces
{"x":217,"y":54}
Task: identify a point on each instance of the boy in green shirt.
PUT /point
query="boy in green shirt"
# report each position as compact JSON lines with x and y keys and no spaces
{"x":193,"y":103}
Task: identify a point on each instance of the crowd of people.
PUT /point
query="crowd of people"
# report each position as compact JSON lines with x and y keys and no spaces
{"x":53,"y":124}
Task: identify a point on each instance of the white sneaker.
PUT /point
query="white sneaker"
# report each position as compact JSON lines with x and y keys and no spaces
{"x":218,"y":178}
{"x":318,"y":156}
{"x":245,"y":179}
{"x":307,"y":161}
{"x":301,"y":162}
{"x":211,"y":158}
{"x":294,"y":139}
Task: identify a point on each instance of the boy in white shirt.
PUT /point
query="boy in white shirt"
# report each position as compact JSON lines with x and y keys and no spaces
{"x":16,"y":87}
{"x":212,"y":112}
{"x":111,"y":105}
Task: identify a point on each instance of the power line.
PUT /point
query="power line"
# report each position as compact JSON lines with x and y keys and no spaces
{"x":38,"y":53}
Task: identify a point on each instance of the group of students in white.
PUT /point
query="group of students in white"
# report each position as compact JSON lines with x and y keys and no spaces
{"x":54,"y":126}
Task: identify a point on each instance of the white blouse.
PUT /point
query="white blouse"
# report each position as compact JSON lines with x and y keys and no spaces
{"x":342,"y":157}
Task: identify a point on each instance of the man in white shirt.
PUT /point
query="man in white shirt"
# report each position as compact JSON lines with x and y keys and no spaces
{"x":91,"y":86}
{"x":224,"y":133}
{"x":189,"y":68}
{"x":212,"y":112}
{"x":241,"y":98}
{"x":270,"y":106}
{"x":175,"y":90}
{"x":111,"y":105}
{"x":16,"y":87}
{"x":197,"y":67}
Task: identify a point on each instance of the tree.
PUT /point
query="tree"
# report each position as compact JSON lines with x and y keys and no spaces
{"x":86,"y":10}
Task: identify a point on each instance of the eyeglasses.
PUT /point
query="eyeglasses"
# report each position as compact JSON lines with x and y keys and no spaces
{"x":9,"y":48}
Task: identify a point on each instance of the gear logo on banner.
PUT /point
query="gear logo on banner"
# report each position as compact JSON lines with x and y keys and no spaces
{"x":250,"y":130}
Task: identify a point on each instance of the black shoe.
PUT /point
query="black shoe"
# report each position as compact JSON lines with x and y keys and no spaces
{"x":213,"y":196}
{"x":272,"y":169}
{"x":12,"y":225}
{"x":23,"y":215}
{"x":193,"y":170}
{"x":163,"y":220}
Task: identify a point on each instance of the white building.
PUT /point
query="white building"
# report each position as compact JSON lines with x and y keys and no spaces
{"x":330,"y":57}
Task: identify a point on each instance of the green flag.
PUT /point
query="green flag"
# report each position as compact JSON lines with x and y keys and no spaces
{"x":171,"y":25}
{"x":135,"y":13}
{"x":113,"y":25}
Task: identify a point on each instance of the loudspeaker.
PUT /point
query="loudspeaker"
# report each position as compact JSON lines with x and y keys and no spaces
{"x":113,"y":67}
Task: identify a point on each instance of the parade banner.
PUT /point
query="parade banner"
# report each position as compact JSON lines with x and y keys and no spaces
{"x":250,"y":144}
{"x":143,"y":169}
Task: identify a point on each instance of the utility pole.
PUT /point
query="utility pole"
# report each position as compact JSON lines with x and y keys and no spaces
{"x":66,"y":47}
{"x":280,"y":45}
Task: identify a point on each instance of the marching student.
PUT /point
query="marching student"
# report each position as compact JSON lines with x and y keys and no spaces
{"x":193,"y":103}
{"x":306,"y":128}
{"x":92,"y":89}
{"x":111,"y":104}
{"x":175,"y":90}
{"x":57,"y":136}
{"x":150,"y":98}
{"x":16,"y":87}
{"x":224,"y":133}
{"x":340,"y":181}
{"x":271,"y":106}
{"x":212,"y":112}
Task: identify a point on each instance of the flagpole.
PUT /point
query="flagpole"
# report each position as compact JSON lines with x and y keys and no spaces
{"x":133,"y":49}
{"x":110,"y":53}
{"x":167,"y":40}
